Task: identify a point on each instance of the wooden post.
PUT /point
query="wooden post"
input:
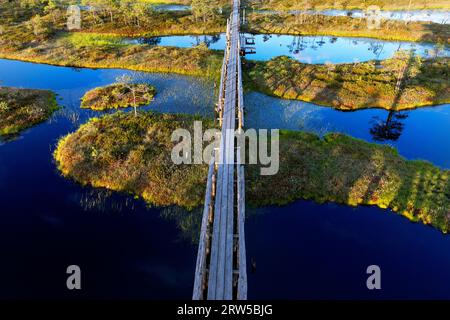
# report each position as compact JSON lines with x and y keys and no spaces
{"x":200,"y":269}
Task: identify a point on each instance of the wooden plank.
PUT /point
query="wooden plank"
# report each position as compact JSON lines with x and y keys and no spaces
{"x":242,"y":280}
{"x":213,"y":269}
{"x":215,"y":286}
{"x":231,"y":169}
{"x":200,"y":269}
{"x":224,"y":281}
{"x":226,"y":195}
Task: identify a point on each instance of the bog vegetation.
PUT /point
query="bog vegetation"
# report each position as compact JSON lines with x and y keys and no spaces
{"x":348,"y":4}
{"x":23,"y":108}
{"x":403,"y":82}
{"x":132,"y":154}
{"x":350,"y":171}
{"x":119,"y":95}
{"x":34,"y":32}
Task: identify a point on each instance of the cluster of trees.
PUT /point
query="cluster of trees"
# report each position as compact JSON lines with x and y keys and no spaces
{"x":128,"y":11}
{"x":204,"y":9}
{"x":43,"y":17}
{"x":139,"y":13}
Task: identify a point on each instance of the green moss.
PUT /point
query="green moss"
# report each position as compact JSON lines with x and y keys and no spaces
{"x":402,"y":82}
{"x":80,"y":40}
{"x":118,"y":96}
{"x":23,"y":108}
{"x":342,"y":169}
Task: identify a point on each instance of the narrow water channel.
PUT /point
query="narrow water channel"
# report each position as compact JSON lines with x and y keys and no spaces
{"x":308,"y":49}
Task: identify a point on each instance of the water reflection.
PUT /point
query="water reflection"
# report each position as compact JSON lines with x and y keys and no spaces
{"x":417,"y":134}
{"x":175,"y":93}
{"x":309,"y":49}
{"x":149,"y":41}
{"x":389,"y":129}
{"x":171,"y":7}
{"x":436,"y":16}
{"x":107,"y":202}
{"x":329,"y":49}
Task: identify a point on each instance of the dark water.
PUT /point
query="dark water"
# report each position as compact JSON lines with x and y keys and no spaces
{"x":308,"y":49}
{"x":124,"y":249}
{"x":311,"y":251}
{"x":127,"y":250}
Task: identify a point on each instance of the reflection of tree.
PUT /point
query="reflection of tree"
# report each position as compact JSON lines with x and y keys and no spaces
{"x":215,"y":38}
{"x":314,"y":45}
{"x":189,"y":222}
{"x":106,"y":201}
{"x":377,"y":48}
{"x":208,"y":40}
{"x":391,"y":129}
{"x":297,"y":45}
{"x":321,"y":42}
{"x":150,"y":41}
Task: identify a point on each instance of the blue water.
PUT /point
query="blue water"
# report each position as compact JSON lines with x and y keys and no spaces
{"x":176,"y":93}
{"x":126,"y":250}
{"x":172,"y":7}
{"x":308,"y":49}
{"x":424,"y":133}
{"x":436,"y":16}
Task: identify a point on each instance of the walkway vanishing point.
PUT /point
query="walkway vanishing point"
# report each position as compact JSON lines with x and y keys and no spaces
{"x":221,"y":261}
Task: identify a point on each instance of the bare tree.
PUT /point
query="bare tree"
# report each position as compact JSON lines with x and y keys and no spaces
{"x":126,"y":81}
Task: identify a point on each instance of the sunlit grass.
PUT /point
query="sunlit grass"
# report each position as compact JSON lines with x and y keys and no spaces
{"x":23,"y":108}
{"x":350,"y":171}
{"x":132,"y":154}
{"x":354,"y":86}
{"x":118,"y":96}
{"x":79,"y":39}
{"x":352,"y":4}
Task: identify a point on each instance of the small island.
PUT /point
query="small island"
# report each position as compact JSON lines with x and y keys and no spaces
{"x":21,"y":109}
{"x":132,"y":154}
{"x":119,"y":95}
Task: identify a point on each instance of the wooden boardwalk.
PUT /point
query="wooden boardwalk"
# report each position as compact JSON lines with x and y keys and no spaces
{"x":221,"y":262}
